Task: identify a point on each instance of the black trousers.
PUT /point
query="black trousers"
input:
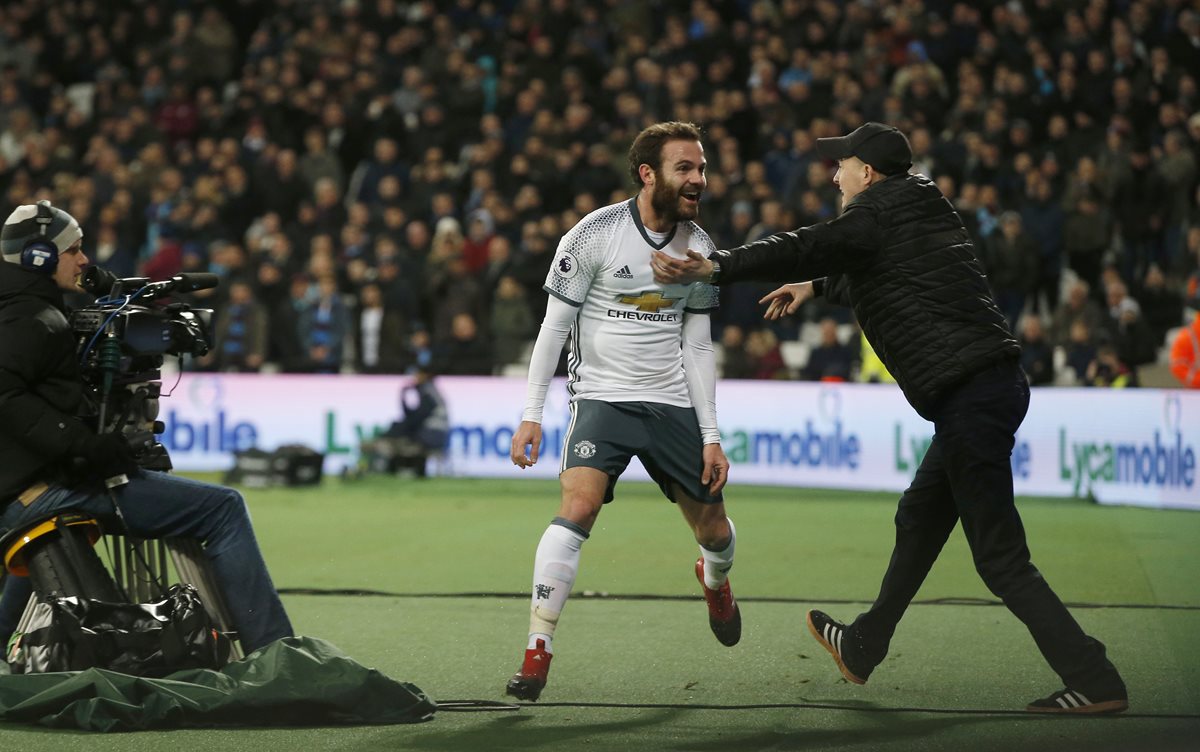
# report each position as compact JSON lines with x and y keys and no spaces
{"x":966,"y":475}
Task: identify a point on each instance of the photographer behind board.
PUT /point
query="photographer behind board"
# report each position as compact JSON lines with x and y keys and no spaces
{"x":51,"y":461}
{"x":425,"y":426}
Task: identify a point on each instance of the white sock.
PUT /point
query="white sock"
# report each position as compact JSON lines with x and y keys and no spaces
{"x":554,"y":568}
{"x":718,"y":563}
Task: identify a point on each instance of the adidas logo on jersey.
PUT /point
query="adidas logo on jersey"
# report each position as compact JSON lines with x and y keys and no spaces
{"x":623,"y":273}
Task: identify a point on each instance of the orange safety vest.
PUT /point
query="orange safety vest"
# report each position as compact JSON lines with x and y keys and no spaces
{"x":1185,"y":354}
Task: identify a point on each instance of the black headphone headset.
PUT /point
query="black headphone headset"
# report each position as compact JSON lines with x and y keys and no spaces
{"x":41,"y":254}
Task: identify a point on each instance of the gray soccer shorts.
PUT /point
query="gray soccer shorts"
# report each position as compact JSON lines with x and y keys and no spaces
{"x":605,"y":435}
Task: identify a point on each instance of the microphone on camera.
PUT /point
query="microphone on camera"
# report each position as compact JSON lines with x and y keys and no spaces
{"x":186,"y":282}
{"x":192,"y":281}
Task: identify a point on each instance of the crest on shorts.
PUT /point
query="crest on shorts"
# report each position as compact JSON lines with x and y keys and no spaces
{"x":585,"y":449}
{"x":566,"y":265}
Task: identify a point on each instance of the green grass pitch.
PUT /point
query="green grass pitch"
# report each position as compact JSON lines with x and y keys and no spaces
{"x":453,"y":560}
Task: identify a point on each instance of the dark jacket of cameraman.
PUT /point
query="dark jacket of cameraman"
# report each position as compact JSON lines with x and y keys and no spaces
{"x":900,"y":256}
{"x":40,"y":387}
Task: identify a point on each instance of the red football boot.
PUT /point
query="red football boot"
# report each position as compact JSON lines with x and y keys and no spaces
{"x":724,"y":616}
{"x":528,"y":683}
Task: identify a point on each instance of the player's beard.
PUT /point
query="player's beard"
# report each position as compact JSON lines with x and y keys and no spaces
{"x":666,"y":202}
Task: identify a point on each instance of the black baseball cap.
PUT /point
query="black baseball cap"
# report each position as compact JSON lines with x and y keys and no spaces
{"x":882,"y":146}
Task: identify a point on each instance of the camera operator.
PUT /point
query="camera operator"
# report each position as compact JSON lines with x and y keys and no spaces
{"x":51,"y":461}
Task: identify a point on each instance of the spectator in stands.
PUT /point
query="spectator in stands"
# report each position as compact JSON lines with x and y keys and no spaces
{"x":1043,"y":218}
{"x":280,"y":186}
{"x":531,"y":264}
{"x":330,"y":212}
{"x":380,"y":334}
{"x":511,"y":323}
{"x":451,"y":290}
{"x":1037,"y":353}
{"x":241,"y":330}
{"x":1177,"y":166}
{"x":1125,"y":328}
{"x":1162,"y":307}
{"x":764,"y":355}
{"x":481,"y":230}
{"x":1080,"y":349}
{"x":1078,"y":306}
{"x":831,"y":360}
{"x":385,"y":161}
{"x":323,"y":327}
{"x":318,"y":162}
{"x":736,"y":363}
{"x":1141,"y":202}
{"x":1107,"y":369}
{"x":272,"y":291}
{"x":1087,"y":234}
{"x":397,"y":289}
{"x":499,"y":266}
{"x":465,"y":352}
{"x":1013,"y":266}
{"x":216,"y":41}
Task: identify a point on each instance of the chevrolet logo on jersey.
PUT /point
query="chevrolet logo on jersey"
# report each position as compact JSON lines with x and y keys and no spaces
{"x":652,"y":302}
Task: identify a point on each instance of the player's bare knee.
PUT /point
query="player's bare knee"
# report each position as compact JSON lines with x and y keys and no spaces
{"x":580,"y":509}
{"x":712,"y":529}
{"x":714,"y":538}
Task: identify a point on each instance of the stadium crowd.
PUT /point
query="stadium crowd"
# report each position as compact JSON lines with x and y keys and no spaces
{"x":383,"y":183}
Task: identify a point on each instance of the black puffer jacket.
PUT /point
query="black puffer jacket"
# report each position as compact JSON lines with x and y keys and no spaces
{"x":900,"y":256}
{"x":40,"y":388}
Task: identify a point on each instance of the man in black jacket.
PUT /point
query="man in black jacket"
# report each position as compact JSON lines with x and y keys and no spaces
{"x":51,"y":461}
{"x":899,"y":254}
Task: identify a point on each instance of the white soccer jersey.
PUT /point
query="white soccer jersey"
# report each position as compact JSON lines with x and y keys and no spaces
{"x":625,"y":344}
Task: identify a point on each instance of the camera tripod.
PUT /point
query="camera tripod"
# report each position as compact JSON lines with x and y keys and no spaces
{"x":59,"y":555}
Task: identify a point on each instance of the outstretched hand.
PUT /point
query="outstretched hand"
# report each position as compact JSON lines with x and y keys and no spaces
{"x":786,"y":300}
{"x":669,"y":270}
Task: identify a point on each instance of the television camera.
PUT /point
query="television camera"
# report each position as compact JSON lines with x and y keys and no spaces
{"x":122,"y":339}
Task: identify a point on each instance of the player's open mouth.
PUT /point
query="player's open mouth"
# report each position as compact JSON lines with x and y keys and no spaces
{"x":691,"y":197}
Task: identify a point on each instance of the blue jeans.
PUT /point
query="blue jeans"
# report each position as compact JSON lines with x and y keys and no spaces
{"x":158,"y":505}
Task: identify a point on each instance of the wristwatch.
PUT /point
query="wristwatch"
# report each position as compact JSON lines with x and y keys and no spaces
{"x":715,"y":275}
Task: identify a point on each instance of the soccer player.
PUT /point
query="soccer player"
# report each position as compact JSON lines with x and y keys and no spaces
{"x":641,"y":379}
